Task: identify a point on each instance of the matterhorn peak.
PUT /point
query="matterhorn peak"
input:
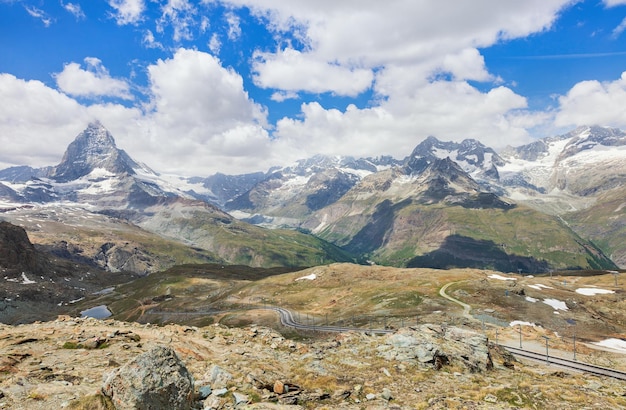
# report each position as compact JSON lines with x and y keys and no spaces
{"x":93,"y":148}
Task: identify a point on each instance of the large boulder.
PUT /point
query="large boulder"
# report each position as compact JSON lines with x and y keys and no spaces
{"x":156,"y":379}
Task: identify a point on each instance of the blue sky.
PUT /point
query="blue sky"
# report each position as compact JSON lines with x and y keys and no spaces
{"x":197,"y":87}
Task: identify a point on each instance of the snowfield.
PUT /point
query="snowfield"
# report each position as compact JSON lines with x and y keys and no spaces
{"x":520,"y":322}
{"x":498,"y":277}
{"x":312,"y":276}
{"x":539,"y":286}
{"x":617,"y":344}
{"x":593,"y":291}
{"x":556,"y":304}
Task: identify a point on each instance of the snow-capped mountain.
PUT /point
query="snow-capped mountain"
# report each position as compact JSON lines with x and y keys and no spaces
{"x":285,"y":196}
{"x":390,"y":210}
{"x":567,"y":172}
{"x":97,"y":180}
{"x":479,"y":161}
{"x":93,"y":171}
{"x":93,"y":149}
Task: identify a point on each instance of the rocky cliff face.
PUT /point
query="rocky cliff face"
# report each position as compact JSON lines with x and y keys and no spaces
{"x":17,"y":253}
{"x":38,"y":286}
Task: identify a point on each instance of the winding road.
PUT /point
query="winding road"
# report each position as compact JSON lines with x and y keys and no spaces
{"x":466,"y":308}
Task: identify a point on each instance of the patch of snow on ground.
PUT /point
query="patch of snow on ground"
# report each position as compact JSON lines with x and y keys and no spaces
{"x":593,"y":291}
{"x":25,"y":280}
{"x":312,"y":276}
{"x":617,"y":344}
{"x":539,"y":286}
{"x":529,"y":299}
{"x":556,"y":304}
{"x":519,"y":322}
{"x":495,"y":276}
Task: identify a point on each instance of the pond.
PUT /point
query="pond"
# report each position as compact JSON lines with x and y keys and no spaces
{"x":96,"y":312}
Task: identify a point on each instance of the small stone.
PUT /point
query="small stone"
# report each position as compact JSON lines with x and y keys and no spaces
{"x":240,"y":398}
{"x":279,"y":387}
{"x":212,"y":402}
{"x":490,"y":398}
{"x":370,"y":396}
{"x":220,"y":392}
{"x":204,"y":392}
{"x":386,"y":394}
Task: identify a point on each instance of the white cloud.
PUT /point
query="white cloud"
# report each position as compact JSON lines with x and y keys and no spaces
{"x":448,"y":110}
{"x":39,"y":14}
{"x":74,"y":9}
{"x":355,"y":35}
{"x":292,"y":70}
{"x":466,"y":65}
{"x":594,"y":102}
{"x":127,"y":11}
{"x":150,"y":42}
{"x":95,"y":81}
{"x":36,"y":122}
{"x":234,"y":27}
{"x":200,"y":112}
{"x":280,"y":96}
{"x":617,"y":31}
{"x":613,"y":3}
{"x":215,"y":44}
{"x":180,"y":15}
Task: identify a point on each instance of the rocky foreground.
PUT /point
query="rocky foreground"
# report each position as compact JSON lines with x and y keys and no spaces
{"x":84,"y":363}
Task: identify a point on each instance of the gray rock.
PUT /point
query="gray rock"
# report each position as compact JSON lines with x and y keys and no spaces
{"x":156,"y":379}
{"x":220,"y":392}
{"x":240,"y":398}
{"x":386,"y":394}
{"x":218,"y":377}
{"x":204,"y":392}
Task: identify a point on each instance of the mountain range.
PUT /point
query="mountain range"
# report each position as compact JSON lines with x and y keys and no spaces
{"x":557,"y":203}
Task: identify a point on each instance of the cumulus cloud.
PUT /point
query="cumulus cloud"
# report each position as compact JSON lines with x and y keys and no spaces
{"x":127,"y":11}
{"x":292,"y":70}
{"x":94,"y":81}
{"x":200,"y":111}
{"x":36,"y":122}
{"x":594,"y":102}
{"x":449,"y":110}
{"x":355,"y":35}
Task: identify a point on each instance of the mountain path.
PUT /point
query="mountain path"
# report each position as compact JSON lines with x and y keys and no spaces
{"x":466,"y":308}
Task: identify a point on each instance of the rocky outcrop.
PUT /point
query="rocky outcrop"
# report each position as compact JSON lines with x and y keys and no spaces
{"x":156,"y":379}
{"x":17,"y":253}
{"x":436,"y":346}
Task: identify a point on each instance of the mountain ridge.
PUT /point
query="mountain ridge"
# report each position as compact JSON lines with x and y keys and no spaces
{"x":314,"y":193}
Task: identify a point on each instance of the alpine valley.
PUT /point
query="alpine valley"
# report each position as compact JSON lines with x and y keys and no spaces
{"x":556,"y":204}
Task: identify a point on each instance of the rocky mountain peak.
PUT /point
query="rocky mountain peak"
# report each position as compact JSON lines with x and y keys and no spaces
{"x":93,"y":148}
{"x":471,"y":155}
